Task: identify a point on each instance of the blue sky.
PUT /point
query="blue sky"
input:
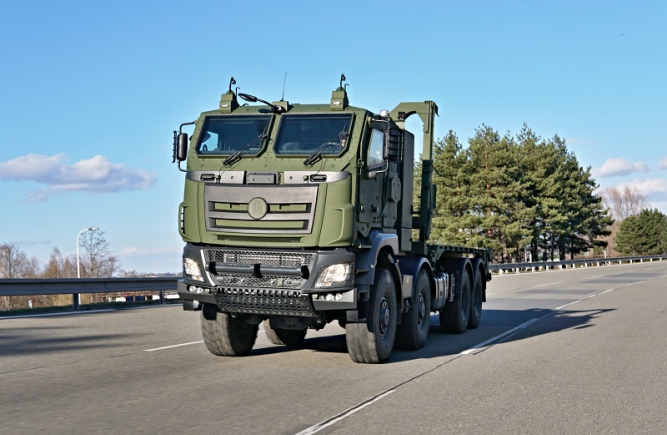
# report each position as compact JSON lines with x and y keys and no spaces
{"x":91,"y":92}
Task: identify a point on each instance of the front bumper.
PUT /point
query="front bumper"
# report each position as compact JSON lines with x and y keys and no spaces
{"x":268,"y":282}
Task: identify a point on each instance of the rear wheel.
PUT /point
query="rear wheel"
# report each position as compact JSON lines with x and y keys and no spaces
{"x":476,"y":301}
{"x":454,"y":317}
{"x":225,"y":335}
{"x":287,"y":337}
{"x":373,"y":341}
{"x":413,"y":331}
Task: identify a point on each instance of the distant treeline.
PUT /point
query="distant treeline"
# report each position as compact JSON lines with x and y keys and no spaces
{"x":517,"y":195}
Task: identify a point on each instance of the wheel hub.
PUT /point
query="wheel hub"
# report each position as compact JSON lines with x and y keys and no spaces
{"x":421,"y":309}
{"x":385,"y":316}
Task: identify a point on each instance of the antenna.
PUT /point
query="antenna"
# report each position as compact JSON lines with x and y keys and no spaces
{"x":342,"y":79}
{"x":231,"y":83}
{"x":282,"y":98}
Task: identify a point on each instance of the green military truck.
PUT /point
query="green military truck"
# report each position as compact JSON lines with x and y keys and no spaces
{"x":297,"y":215}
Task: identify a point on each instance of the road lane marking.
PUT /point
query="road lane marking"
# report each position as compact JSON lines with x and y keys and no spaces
{"x":336,"y":418}
{"x":175,"y":345}
{"x":549,"y":283}
{"x":500,"y":337}
{"x":503,"y":335}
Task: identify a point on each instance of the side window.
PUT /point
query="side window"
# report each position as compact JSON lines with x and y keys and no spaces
{"x":376,"y":149}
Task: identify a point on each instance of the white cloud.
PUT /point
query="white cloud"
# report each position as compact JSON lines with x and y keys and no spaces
{"x":621,"y":166}
{"x":662,"y":164}
{"x":653,"y":188}
{"x":96,"y":174}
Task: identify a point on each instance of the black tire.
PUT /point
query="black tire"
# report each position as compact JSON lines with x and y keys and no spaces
{"x":286,"y":337}
{"x":413,"y":330}
{"x":225,"y":335}
{"x":476,"y":301}
{"x":373,"y":341}
{"x":454,"y":317}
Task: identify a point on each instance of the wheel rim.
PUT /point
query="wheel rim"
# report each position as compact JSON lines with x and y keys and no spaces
{"x":421,"y":309}
{"x":385,"y":317}
{"x":465,"y":304}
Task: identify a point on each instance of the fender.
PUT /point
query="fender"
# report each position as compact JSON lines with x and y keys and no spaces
{"x":411,"y":266}
{"x":367,"y":260}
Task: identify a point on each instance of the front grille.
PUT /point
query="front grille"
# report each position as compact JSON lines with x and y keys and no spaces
{"x":264,"y":282}
{"x":253,"y":209}
{"x":265,"y":258}
{"x":288,"y":260}
{"x":263,"y":301}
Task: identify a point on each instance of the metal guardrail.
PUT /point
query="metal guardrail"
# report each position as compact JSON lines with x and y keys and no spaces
{"x":77,"y":286}
{"x":563,"y":264}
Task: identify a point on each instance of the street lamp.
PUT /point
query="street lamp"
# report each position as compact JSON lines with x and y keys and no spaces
{"x":78,"y":270}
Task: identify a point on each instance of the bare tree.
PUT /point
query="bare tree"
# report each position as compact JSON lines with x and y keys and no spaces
{"x":14,"y":263}
{"x":58,"y":266}
{"x":624,"y":203}
{"x":98,"y":262}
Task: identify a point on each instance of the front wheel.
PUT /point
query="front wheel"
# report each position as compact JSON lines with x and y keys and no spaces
{"x":286,"y":337}
{"x":225,"y":335}
{"x":373,"y":341}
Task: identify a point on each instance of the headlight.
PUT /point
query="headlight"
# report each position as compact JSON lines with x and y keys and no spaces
{"x":334,"y":275}
{"x":192,"y":270}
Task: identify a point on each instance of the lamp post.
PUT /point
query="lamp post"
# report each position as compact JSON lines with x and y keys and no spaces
{"x":78,"y":269}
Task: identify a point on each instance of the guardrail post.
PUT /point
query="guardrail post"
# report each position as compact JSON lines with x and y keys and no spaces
{"x":162,"y":297}
{"x":75,"y":301}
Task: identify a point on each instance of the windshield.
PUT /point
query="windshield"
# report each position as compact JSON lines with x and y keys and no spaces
{"x":304,"y":134}
{"x":225,"y":135}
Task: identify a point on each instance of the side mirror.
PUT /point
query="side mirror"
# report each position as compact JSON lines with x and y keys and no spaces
{"x":182,"y":147}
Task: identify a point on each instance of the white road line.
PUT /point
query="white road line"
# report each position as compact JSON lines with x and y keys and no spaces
{"x":566,"y":305}
{"x":175,"y":345}
{"x":524,"y":325}
{"x":503,"y":335}
{"x":336,"y":418}
{"x":549,"y":283}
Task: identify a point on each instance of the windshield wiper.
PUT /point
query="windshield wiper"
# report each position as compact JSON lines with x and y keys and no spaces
{"x":317,"y":154}
{"x":236,"y":155}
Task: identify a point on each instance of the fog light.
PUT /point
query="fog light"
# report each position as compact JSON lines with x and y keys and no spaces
{"x":330,"y":297}
{"x":339,"y":296}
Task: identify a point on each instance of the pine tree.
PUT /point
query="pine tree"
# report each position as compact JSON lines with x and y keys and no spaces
{"x":643,"y":234}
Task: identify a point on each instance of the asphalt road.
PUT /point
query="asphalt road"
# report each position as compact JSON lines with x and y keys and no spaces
{"x":574,"y":351}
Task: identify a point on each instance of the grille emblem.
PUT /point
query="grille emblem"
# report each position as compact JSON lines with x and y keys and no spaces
{"x":257,"y":208}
